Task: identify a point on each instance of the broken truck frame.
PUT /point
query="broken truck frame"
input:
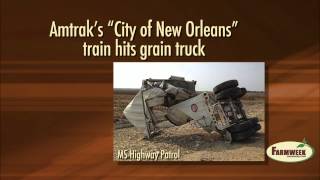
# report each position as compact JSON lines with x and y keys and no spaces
{"x":221,"y":112}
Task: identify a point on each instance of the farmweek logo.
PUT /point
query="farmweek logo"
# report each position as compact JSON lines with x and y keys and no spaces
{"x":290,"y":151}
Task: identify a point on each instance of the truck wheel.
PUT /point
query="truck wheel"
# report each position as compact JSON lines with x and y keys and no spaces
{"x":243,"y":91}
{"x":243,"y":135}
{"x":243,"y":126}
{"x":254,"y":120}
{"x":231,"y":93}
{"x":255,"y":123}
{"x":257,"y":127}
{"x":225,"y":85}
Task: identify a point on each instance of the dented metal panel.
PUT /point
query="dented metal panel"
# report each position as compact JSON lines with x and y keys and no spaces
{"x":200,"y":112}
{"x":135,"y":112}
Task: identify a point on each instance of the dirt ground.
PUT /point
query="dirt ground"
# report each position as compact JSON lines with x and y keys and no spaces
{"x":192,"y":141}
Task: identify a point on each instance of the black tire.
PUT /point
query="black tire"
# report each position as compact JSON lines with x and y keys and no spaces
{"x":257,"y":127}
{"x":230,"y":93}
{"x":243,"y":135}
{"x":243,"y":126}
{"x":243,"y":91}
{"x":225,"y":85}
{"x":253,"y":120}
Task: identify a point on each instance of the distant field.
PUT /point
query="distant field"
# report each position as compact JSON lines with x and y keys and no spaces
{"x":125,"y":91}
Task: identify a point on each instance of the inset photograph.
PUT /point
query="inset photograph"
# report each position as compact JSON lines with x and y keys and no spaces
{"x":189,"y":111}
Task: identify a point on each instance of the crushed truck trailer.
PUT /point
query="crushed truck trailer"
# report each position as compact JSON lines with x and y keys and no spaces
{"x":179,"y":103}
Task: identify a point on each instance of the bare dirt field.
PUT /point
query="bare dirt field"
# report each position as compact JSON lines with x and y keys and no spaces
{"x":192,"y":141}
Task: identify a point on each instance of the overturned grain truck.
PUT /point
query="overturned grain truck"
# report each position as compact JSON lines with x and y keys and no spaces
{"x":179,"y":103}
